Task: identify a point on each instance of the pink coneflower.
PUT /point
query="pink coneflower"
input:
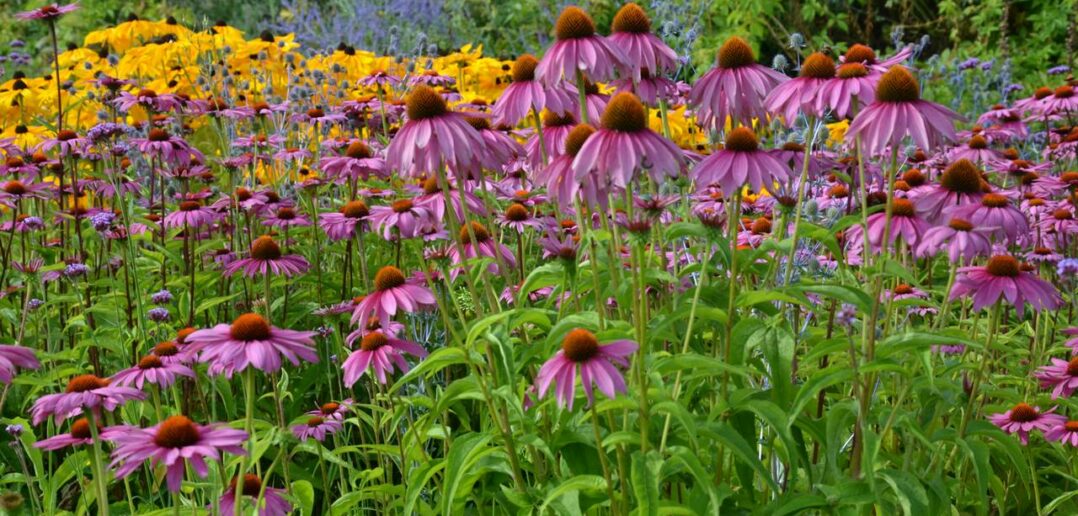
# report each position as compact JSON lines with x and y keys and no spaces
{"x":317,"y":427}
{"x":273,"y":503}
{"x":803,"y":93}
{"x":1061,"y":376}
{"x":649,"y":88}
{"x":959,"y":239}
{"x":623,"y":144}
{"x":358,"y":162}
{"x":1023,"y":419}
{"x":852,"y":88}
{"x":518,"y":218}
{"x":741,"y":161}
{"x":899,"y":112}
{"x":525,"y":94}
{"x":333,"y":410}
{"x":434,"y":136}
{"x":976,"y":150}
{"x":502,"y":148}
{"x":379,"y":352}
{"x":285,"y":217}
{"x":995,"y":211}
{"x":374,"y":324}
{"x":68,"y":142}
{"x":1061,"y":102}
{"x":83,"y":392}
{"x":171,"y":353}
{"x":250,"y":341}
{"x":735,"y":88}
{"x":266,"y":258}
{"x":48,"y":12}
{"x":342,"y":225}
{"x":191,"y":213}
{"x":1065,"y":432}
{"x":863,"y":54}
{"x":961,"y":183}
{"x":432,"y":199}
{"x":168,"y":148}
{"x":79,"y":435}
{"x":292,"y":154}
{"x":153,"y":370}
{"x":15,"y":191}
{"x":1003,"y":278}
{"x":392,"y":292}
{"x":579,"y":49}
{"x":483,"y":246}
{"x":631,"y":33}
{"x":15,"y":356}
{"x":556,"y":127}
{"x":173,"y":443}
{"x":905,"y":224}
{"x":596,"y":363}
{"x":148,"y":99}
{"x":402,"y":219}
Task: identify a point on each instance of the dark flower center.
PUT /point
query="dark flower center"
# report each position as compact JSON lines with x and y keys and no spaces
{"x":793,"y":147}
{"x":994,"y":200}
{"x":158,"y":135}
{"x":358,"y":150}
{"x":580,"y":345}
{"x":181,"y":336}
{"x":516,"y":213}
{"x":249,"y":327}
{"x":552,"y":119}
{"x":960,"y":225}
{"x":902,"y":208}
{"x":1023,"y":413}
{"x":736,"y":53}
{"x":166,"y":349}
{"x":858,"y":53}
{"x":286,"y":213}
{"x":573,"y":23}
{"x":1071,"y":426}
{"x":625,"y":114}
{"x":243,"y":194}
{"x":315,"y":113}
{"x":355,"y":210}
{"x":898,"y":85}
{"x":903,"y":289}
{"x":1064,"y":92}
{"x":1062,"y":214}
{"x":315,"y":421}
{"x":373,"y":341}
{"x":1003,"y":266}
{"x":86,"y":382}
{"x":190,"y":205}
{"x":373,"y":323}
{"x":150,"y":362}
{"x":978,"y":142}
{"x":1069,"y":177}
{"x":741,"y":139}
{"x":524,"y":68}
{"x":761,"y":226}
{"x":66,"y":135}
{"x":914,"y":177}
{"x":631,"y":18}
{"x":818,"y":66}
{"x":252,"y":485}
{"x":81,"y":429}
{"x":481,"y":234}
{"x":330,"y":408}
{"x":1042,"y":93}
{"x":425,"y":103}
{"x":264,"y":248}
{"x":478,"y":123}
{"x":15,"y":187}
{"x":838,"y":192}
{"x":580,"y":134}
{"x":388,"y":277}
{"x":177,"y":432}
{"x":962,"y":176}
{"x":402,"y":206}
{"x":1072,"y":367}
{"x":851,"y":71}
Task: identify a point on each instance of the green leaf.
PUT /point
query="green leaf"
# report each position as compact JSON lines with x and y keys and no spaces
{"x":579,"y":483}
{"x":911,"y":494}
{"x":645,"y":482}
{"x":304,"y":493}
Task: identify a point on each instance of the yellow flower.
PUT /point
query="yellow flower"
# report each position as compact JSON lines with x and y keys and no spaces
{"x":837,"y":132}
{"x":130,"y":34}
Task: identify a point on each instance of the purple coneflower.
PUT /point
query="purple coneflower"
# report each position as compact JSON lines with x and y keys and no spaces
{"x":735,"y":88}
{"x":379,"y":352}
{"x":168,"y":148}
{"x":266,"y":258}
{"x":631,"y":33}
{"x":83,"y":392}
{"x":79,"y":435}
{"x":596,"y":362}
{"x":286,"y":216}
{"x":250,"y":341}
{"x":273,"y":503}
{"x":317,"y":427}
{"x":434,"y":136}
{"x":525,"y":94}
{"x":625,"y":143}
{"x":579,"y":49}
{"x":1065,"y":432}
{"x":852,"y":88}
{"x":518,"y":218}
{"x":153,"y":370}
{"x":997,"y":212}
{"x":483,"y":246}
{"x":401,"y":219}
{"x":358,"y":162}
{"x":904,"y":223}
{"x":959,"y":239}
{"x":333,"y":410}
{"x":48,"y":12}
{"x":1003,"y":278}
{"x":1023,"y":419}
{"x":1061,"y":376}
{"x":803,"y":93}
{"x":15,"y":356}
{"x":741,"y":161}
{"x":192,"y":214}
{"x":342,"y":225}
{"x":899,"y":112}
{"x":976,"y":150}
{"x":392,"y":292}
{"x":558,"y":176}
{"x":961,"y":183}
{"x":173,"y":443}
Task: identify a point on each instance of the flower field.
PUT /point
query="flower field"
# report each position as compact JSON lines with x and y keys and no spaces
{"x":241,"y":275}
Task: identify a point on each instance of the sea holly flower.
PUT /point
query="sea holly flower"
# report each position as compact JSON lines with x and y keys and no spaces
{"x":1023,"y":419}
{"x":580,"y":350}
{"x":174,"y":443}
